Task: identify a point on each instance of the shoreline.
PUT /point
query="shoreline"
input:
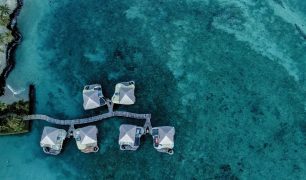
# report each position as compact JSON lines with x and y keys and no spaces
{"x":11,"y":47}
{"x":31,"y":109}
{"x":10,"y":64}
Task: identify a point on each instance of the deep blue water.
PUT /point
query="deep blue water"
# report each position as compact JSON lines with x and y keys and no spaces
{"x":229,"y":75}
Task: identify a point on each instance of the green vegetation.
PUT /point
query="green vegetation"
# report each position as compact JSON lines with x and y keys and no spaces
{"x":6,"y":36}
{"x":4,"y":15}
{"x":4,"y":10}
{"x":11,"y":118}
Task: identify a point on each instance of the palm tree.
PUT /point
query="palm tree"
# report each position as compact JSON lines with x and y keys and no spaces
{"x":4,"y":10}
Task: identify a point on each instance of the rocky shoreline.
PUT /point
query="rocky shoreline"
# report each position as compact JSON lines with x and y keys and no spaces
{"x":11,"y":47}
{"x":11,"y":114}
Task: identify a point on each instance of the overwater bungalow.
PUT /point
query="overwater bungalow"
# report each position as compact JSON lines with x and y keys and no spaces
{"x":129,"y":138}
{"x":93,"y":96}
{"x":124,"y":93}
{"x":52,"y":140}
{"x":86,"y":139}
{"x":163,"y":139}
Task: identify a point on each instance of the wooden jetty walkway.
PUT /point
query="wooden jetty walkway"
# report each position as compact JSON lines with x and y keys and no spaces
{"x":109,"y":114}
{"x":89,"y":119}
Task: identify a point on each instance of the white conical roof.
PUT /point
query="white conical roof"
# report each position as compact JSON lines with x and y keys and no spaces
{"x":88,"y":140}
{"x":127,"y":134}
{"x":166,"y":140}
{"x":126,"y":100}
{"x":87,"y":134}
{"x":47,"y":141}
{"x":166,"y":136}
{"x":91,"y":96}
{"x":124,"y":93}
{"x":50,"y":136}
{"x":91,"y":103}
{"x":127,"y":139}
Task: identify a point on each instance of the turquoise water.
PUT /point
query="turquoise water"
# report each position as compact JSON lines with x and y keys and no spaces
{"x":229,"y":75}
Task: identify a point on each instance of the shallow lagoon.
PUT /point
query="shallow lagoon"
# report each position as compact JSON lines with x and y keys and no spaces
{"x":228,"y":75}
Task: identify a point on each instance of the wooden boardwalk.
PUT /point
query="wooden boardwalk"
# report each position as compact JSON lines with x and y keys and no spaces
{"x":70,"y":122}
{"x":109,"y":114}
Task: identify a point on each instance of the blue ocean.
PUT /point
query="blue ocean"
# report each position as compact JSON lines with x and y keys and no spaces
{"x":229,"y":75}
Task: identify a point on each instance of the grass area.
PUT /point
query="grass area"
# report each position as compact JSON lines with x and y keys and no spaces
{"x":11,"y":118}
